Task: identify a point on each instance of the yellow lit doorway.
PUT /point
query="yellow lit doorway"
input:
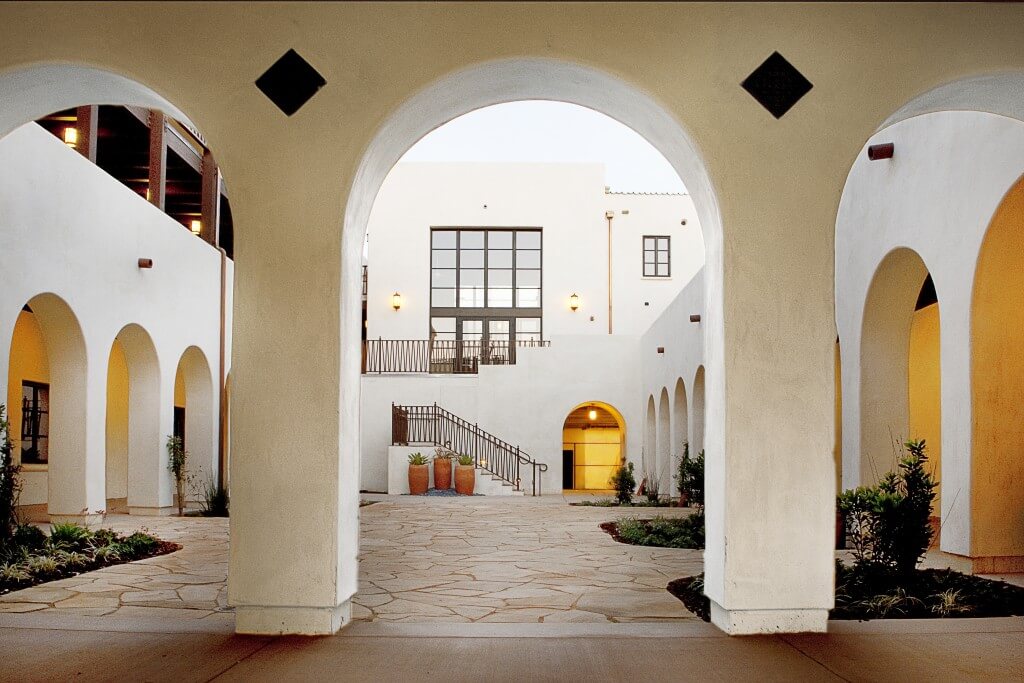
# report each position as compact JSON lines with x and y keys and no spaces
{"x":593,"y":444}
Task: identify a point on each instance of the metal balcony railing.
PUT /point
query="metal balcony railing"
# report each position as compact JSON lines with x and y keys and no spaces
{"x":440,"y":356}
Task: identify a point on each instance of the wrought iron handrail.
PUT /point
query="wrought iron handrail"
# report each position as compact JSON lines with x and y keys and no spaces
{"x":435,"y":426}
{"x":440,"y":356}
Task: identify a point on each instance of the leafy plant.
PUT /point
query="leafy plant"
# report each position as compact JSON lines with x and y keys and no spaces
{"x":623,"y":482}
{"x":465,"y":460}
{"x":14,"y":573}
{"x":690,"y":477}
{"x":176,"y":464}
{"x":652,"y":484}
{"x":417,"y":459}
{"x":889,"y":524}
{"x":948,"y":603}
{"x":215,"y":500}
{"x":10,"y":484}
{"x":442,"y":453}
{"x":29,"y":537}
{"x":663,"y":532}
{"x":69,"y":536}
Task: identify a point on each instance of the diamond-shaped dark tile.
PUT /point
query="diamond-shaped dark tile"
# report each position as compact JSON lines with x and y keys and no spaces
{"x":290,"y":82}
{"x":777,"y":85}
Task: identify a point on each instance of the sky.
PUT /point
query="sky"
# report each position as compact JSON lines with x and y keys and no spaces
{"x":539,"y":131}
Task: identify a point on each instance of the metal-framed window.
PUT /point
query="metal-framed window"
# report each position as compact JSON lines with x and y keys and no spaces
{"x":35,"y":423}
{"x":657,"y":256}
{"x":486,"y":283}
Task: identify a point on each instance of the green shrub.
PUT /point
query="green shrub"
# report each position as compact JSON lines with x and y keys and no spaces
{"x":663,"y":532}
{"x":137,"y":544}
{"x":215,"y":499}
{"x":889,"y":524}
{"x":624,"y":483}
{"x":69,"y":536}
{"x":690,"y":477}
{"x":29,"y":537}
{"x":10,"y":485}
{"x":417,"y":459}
{"x":14,"y":573}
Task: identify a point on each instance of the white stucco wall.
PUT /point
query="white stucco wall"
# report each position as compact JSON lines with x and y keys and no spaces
{"x":568,"y":201}
{"x":71,"y":230}
{"x":936,"y":196}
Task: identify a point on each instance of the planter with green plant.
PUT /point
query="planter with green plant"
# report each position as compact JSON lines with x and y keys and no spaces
{"x":465,"y":475}
{"x":419,"y":474}
{"x":177,"y":464}
{"x":443,"y":469}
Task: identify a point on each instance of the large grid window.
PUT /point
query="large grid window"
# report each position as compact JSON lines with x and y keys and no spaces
{"x":656,"y":256}
{"x":485,"y":284}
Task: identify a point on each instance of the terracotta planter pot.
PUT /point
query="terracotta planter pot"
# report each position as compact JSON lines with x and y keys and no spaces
{"x":442,"y":473}
{"x":419,"y":479}
{"x":465,"y":479}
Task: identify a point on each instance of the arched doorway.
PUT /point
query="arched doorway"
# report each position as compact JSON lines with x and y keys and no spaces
{"x":593,"y":446}
{"x":649,"y":456}
{"x":997,"y":387}
{"x":660,"y":477}
{"x":194,"y":409}
{"x":697,"y":431}
{"x":680,"y":422}
{"x":47,"y":387}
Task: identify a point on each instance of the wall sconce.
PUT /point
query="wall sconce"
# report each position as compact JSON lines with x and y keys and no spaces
{"x":196,"y":227}
{"x":396,"y":301}
{"x":574,"y":302}
{"x":71,"y":136}
{"x":592,"y":414}
{"x":882,"y":151}
{"x":145,"y":263}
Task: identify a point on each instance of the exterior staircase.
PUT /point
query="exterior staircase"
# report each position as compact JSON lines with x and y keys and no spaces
{"x":500,"y":465}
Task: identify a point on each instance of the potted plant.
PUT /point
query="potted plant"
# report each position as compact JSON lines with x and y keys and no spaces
{"x":465,"y":475}
{"x":178,"y":458}
{"x":419,"y":474}
{"x":443,"y":469}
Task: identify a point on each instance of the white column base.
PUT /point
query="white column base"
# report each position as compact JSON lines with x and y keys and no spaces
{"x":302,"y":621}
{"x":747,"y":622}
{"x":152,"y":511}
{"x":83,"y":519}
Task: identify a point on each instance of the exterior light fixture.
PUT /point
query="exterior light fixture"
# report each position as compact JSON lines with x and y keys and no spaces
{"x":71,"y":136}
{"x":196,"y":227}
{"x":396,"y":301}
{"x":882,"y":151}
{"x":592,"y":414}
{"x":574,"y":302}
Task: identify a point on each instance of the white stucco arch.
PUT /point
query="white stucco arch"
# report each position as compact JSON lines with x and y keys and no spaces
{"x":663,"y":463}
{"x":200,"y":416}
{"x":650,"y":437}
{"x":958,"y":150}
{"x":680,"y":417}
{"x":699,"y":416}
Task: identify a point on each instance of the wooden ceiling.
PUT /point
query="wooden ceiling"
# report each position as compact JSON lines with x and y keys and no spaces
{"x":580,"y":418}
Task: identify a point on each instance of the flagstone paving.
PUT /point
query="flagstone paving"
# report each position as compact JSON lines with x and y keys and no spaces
{"x":437,"y":560}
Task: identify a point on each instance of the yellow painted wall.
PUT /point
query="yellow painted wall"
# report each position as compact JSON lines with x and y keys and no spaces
{"x":117,"y":423}
{"x":179,"y":388}
{"x":997,"y":385}
{"x":924,"y":383}
{"x":28,"y":362}
{"x":598,"y":454}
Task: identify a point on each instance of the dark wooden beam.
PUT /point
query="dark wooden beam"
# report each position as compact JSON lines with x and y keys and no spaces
{"x":210,"y":211}
{"x":157,"y":159}
{"x":88,"y":118}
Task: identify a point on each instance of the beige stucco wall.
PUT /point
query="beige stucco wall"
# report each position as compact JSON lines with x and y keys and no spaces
{"x":776,"y":185}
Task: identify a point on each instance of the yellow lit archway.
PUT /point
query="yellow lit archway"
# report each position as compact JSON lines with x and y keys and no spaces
{"x":593,"y":446}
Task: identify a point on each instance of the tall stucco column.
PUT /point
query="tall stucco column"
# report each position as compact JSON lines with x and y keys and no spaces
{"x":292,"y":562}
{"x":150,"y":421}
{"x":78,"y":412}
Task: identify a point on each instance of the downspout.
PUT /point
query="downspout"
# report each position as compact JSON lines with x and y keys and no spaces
{"x":609,"y":215}
{"x":222,"y":450}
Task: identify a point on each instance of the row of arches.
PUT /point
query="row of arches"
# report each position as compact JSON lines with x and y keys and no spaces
{"x":91,"y":426}
{"x":671,"y":423}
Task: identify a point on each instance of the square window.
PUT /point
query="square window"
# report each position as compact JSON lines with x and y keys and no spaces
{"x":471,"y":258}
{"x":471,"y":297}
{"x":443,"y":239}
{"x":499,"y":278}
{"x":528,"y":298}
{"x":527,"y":259}
{"x":442,"y":298}
{"x":442,"y":277}
{"x":471,"y":278}
{"x":471,"y":239}
{"x":528,"y":278}
{"x":442,"y":259}
{"x":656,"y":256}
{"x":499,"y":239}
{"x":528,"y":239}
{"x":499,"y":258}
{"x":499,"y":297}
{"x":528,"y":325}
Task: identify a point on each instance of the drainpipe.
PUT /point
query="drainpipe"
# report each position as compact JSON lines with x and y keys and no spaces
{"x":222,"y":451}
{"x":609,"y":215}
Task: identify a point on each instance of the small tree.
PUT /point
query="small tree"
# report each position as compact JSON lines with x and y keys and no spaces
{"x":690,"y":477}
{"x":889,"y":524}
{"x":623,"y":482}
{"x":10,"y":484}
{"x":178,"y":459}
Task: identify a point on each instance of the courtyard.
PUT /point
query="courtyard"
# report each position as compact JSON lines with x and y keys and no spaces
{"x":461,"y":589}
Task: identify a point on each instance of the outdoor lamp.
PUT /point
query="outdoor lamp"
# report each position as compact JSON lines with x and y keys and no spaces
{"x":396,"y":301}
{"x":574,"y":301}
{"x":71,"y":136}
{"x":197,"y":227}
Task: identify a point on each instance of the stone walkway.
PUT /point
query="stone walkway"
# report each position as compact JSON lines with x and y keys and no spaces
{"x":421,"y":560}
{"x":187,"y":584}
{"x":512,"y":560}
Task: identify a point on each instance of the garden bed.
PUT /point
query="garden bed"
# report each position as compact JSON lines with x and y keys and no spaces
{"x":612,"y":503}
{"x":33,"y":557}
{"x":660,"y":532}
{"x":923,"y":594}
